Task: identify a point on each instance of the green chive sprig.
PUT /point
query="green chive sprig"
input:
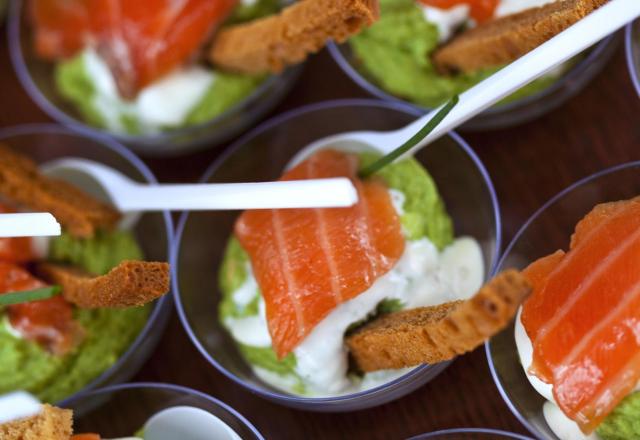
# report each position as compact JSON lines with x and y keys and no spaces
{"x":424,"y":131}
{"x":9,"y":299}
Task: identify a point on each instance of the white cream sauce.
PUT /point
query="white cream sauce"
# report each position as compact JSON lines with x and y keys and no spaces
{"x":422,"y":277}
{"x":166,"y":102}
{"x":560,"y":424}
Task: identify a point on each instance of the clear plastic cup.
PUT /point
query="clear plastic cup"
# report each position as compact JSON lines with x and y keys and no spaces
{"x":154,"y":231}
{"x":548,"y":230}
{"x":632,"y":43}
{"x":470,"y":434}
{"x":36,"y":76}
{"x":262,"y":155}
{"x":504,"y":115}
{"x":122,"y":410}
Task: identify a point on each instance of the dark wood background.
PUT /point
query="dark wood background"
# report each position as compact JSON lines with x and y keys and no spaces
{"x":528,"y":164}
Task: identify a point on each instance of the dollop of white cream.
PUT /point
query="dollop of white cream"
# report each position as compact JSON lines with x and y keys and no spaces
{"x":166,"y":102}
{"x":448,"y":21}
{"x":251,"y":330}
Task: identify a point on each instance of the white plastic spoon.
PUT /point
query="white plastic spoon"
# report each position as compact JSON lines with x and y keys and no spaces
{"x":130,"y":196}
{"x":586,"y":32}
{"x":40,"y":224}
{"x":18,"y":405}
{"x":187,"y":423}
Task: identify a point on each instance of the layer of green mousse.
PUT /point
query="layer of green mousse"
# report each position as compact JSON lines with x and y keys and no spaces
{"x":396,"y":54}
{"x":624,"y":421}
{"x":75,"y":84}
{"x":97,"y":255}
{"x":25,"y":365}
{"x":424,"y":216}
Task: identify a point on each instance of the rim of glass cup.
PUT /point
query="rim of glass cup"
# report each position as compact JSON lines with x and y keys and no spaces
{"x":507,"y":251}
{"x":24,"y":76}
{"x":161,"y":304}
{"x":632,"y":60}
{"x":372,"y":88}
{"x":170,"y":387}
{"x":267,"y":125}
{"x":488,"y":431}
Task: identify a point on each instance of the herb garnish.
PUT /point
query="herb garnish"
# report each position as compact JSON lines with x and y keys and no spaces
{"x":393,"y":155}
{"x":9,"y":299}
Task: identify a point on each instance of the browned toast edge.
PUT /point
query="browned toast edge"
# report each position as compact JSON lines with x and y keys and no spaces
{"x":21,"y":183}
{"x":270,"y":44}
{"x":438,"y":333}
{"x":500,"y":41}
{"x":51,"y":424}
{"x":131,"y":283}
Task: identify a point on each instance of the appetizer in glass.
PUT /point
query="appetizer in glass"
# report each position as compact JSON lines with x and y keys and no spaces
{"x":55,"y":347}
{"x":426,"y":51}
{"x":166,"y":74}
{"x":300,"y":292}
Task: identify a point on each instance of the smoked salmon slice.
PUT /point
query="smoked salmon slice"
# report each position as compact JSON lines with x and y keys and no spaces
{"x":48,"y":322}
{"x":583,"y":316}
{"x":308,"y":261}
{"x":140,"y":40}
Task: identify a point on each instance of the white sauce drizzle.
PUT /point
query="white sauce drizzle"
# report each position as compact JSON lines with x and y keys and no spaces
{"x":166,"y":102}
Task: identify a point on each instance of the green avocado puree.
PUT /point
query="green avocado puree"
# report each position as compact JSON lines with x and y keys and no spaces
{"x":395,"y":53}
{"x":108,"y":332}
{"x":624,"y":421}
{"x":424,"y":216}
{"x":97,"y":255}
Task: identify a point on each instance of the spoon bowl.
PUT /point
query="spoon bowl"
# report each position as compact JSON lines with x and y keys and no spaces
{"x":122,"y":410}
{"x":187,"y":423}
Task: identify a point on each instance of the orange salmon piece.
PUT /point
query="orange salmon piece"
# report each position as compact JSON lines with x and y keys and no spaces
{"x":308,"y":261}
{"x":577,"y":265}
{"x":48,"y":322}
{"x":140,"y":40}
{"x":584,"y":318}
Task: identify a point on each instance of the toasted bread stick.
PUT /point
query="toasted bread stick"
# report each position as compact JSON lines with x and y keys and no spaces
{"x":51,"y":424}
{"x":439,"y":333}
{"x":131,"y":283}
{"x":272,"y":43}
{"x":21,"y":183}
{"x":505,"y":39}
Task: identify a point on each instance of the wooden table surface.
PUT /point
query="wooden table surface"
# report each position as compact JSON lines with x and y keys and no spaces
{"x":528,"y":164}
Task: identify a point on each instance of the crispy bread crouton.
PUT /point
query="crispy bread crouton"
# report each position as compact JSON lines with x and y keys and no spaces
{"x":131,"y":283}
{"x":51,"y":424}
{"x":507,"y":38}
{"x":438,"y":333}
{"x":79,"y":213}
{"x":272,"y":43}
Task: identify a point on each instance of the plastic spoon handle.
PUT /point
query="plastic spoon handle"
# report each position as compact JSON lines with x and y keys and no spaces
{"x":40,"y":224}
{"x":316,"y":193}
{"x":578,"y":37}
{"x":128,"y":195}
